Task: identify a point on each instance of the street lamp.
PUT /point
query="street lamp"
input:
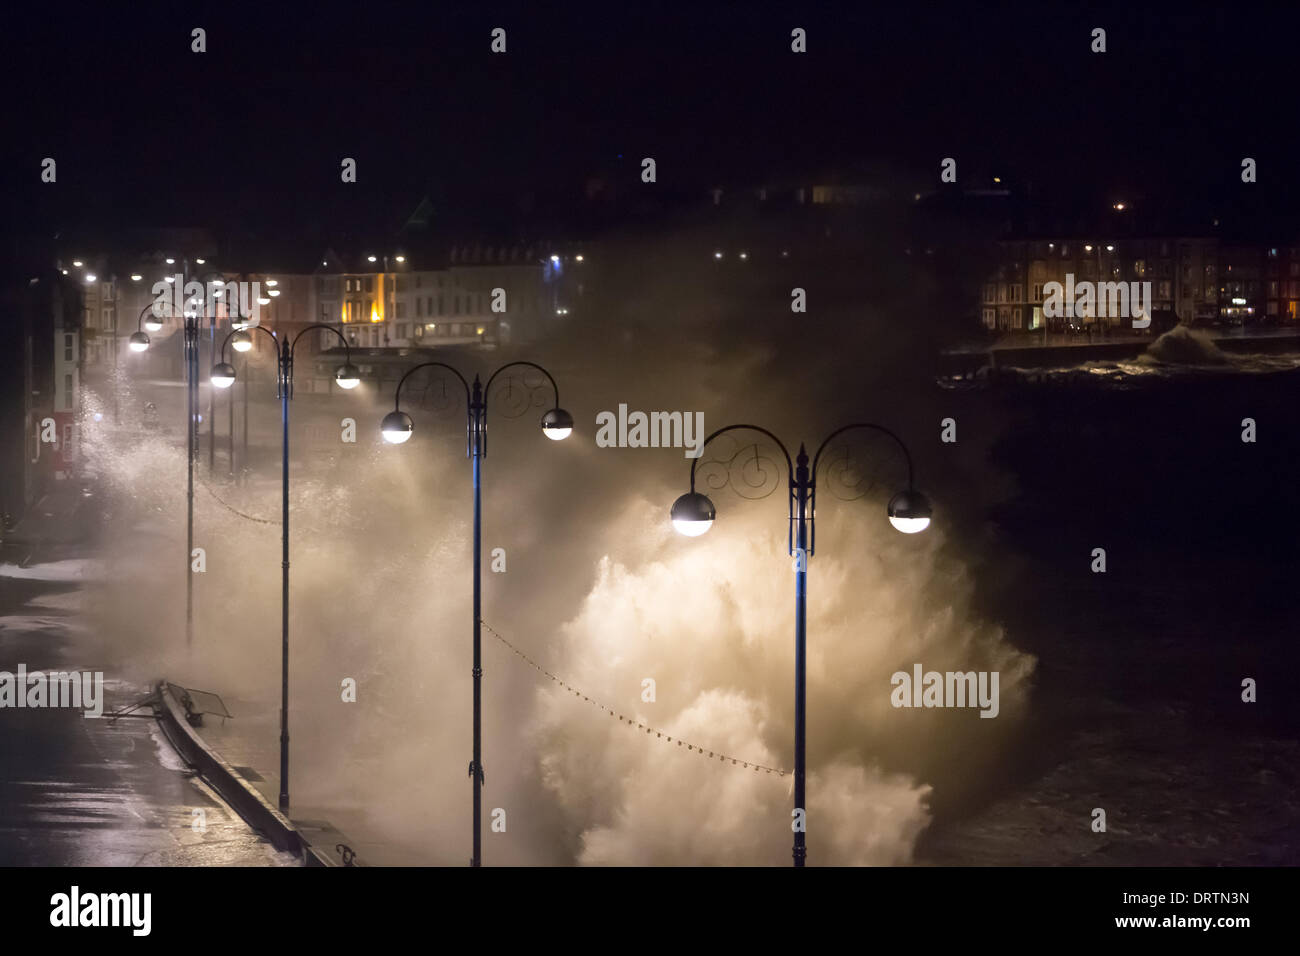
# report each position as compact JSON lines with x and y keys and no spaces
{"x":397,"y":428}
{"x":909,"y":512}
{"x":693,"y":514}
{"x":241,"y":342}
{"x":152,"y":319}
{"x":223,"y":376}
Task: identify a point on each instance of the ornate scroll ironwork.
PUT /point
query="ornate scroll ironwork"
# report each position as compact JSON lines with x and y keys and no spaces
{"x":742,"y":465}
{"x":436,"y":396}
{"x":520,"y":389}
{"x":850,"y":471}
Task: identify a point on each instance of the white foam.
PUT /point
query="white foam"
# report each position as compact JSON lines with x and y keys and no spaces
{"x":72,"y":569}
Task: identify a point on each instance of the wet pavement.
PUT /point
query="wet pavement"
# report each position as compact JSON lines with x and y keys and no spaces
{"x":250,"y":741}
{"x":77,"y":790}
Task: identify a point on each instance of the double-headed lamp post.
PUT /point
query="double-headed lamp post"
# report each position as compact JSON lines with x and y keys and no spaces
{"x":223,"y":376}
{"x":152,"y":320}
{"x":397,"y":427}
{"x":909,"y":511}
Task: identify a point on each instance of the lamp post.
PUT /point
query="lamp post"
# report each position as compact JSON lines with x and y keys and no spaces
{"x":397,"y":427}
{"x":139,"y":342}
{"x":223,"y":376}
{"x":693,"y":514}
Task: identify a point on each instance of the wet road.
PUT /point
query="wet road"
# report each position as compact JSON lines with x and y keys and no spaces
{"x":84,"y":791}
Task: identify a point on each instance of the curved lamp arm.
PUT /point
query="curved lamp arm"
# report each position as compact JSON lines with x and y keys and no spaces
{"x":139,"y":322}
{"x":789,"y":466}
{"x":286,"y":359}
{"x":280,"y":380}
{"x":487,"y":388}
{"x":397,"y":394}
{"x":880,"y":428}
{"x":230,"y":334}
{"x":907,"y":456}
{"x":469,"y":407}
{"x":347,"y":350}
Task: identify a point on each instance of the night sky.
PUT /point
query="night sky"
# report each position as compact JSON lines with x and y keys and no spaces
{"x":252,"y":132}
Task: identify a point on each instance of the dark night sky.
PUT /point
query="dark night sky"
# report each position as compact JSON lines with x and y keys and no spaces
{"x":147,"y":133}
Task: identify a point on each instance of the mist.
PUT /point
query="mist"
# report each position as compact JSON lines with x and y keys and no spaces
{"x":598,"y":588}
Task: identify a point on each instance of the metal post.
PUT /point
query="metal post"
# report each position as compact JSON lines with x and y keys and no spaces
{"x":800,"y":637}
{"x":212,"y":423}
{"x":244,"y":460}
{"x":190,"y":339}
{"x":117,"y":412}
{"x":476,"y":765}
{"x":230,"y":433}
{"x":285,"y":378}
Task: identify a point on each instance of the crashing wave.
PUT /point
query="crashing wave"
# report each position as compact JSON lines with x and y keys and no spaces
{"x":1184,"y":346}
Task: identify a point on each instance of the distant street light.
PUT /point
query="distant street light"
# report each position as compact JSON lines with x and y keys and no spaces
{"x":223,"y":376}
{"x":693,"y":514}
{"x":139,"y":342}
{"x":556,"y":424}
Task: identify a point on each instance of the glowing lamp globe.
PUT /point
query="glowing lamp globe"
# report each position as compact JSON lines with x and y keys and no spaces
{"x":138,"y":342}
{"x":693,"y":514}
{"x":153,"y":323}
{"x":909,"y":512}
{"x":241,"y":341}
{"x":348,"y":376}
{"x":223,"y":375}
{"x":396,"y":427}
{"x":557,"y":424}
